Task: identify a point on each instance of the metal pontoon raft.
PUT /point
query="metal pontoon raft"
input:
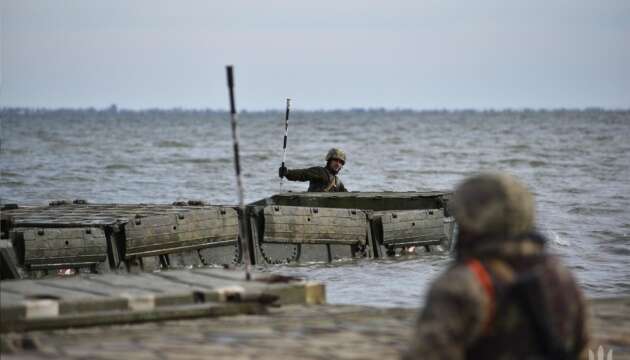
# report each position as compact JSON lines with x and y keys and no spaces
{"x":285,"y":228}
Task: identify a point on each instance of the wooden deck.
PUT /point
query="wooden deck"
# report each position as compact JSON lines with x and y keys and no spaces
{"x":112,"y":298}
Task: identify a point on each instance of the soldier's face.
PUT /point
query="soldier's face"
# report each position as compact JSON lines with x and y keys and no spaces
{"x":336,"y":165}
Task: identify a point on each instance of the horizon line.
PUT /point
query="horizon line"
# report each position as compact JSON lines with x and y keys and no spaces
{"x":115,"y":108}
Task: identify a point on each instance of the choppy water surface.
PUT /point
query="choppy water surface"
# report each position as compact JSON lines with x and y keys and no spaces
{"x":576,"y":163}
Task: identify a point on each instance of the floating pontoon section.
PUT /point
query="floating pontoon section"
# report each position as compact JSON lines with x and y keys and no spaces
{"x":303,"y":225}
{"x":191,"y":230}
{"x":285,"y":228}
{"x":116,"y":237}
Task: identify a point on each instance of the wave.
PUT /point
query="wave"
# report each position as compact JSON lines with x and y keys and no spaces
{"x":201,"y":161}
{"x":582,"y":210}
{"x":619,"y":250}
{"x":258,"y":157}
{"x":13,"y":183}
{"x":519,"y":147}
{"x":172,"y":144}
{"x":556,"y":239}
{"x":69,"y":179}
{"x":5,"y":174}
{"x":22,"y":151}
{"x":48,"y":137}
{"x":574,"y":191}
{"x":119,"y":167}
{"x":603,"y":138}
{"x":516,"y":162}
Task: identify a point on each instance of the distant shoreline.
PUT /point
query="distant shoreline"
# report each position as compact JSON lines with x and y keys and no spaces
{"x":115,"y":109}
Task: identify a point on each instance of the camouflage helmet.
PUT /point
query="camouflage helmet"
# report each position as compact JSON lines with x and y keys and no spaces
{"x":493,"y":204}
{"x":335,"y":153}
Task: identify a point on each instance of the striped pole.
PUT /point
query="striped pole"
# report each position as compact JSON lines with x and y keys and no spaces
{"x":237,"y":167}
{"x":286,"y":133}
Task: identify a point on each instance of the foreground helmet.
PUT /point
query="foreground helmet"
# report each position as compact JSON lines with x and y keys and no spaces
{"x":335,"y":153}
{"x":493,"y":205}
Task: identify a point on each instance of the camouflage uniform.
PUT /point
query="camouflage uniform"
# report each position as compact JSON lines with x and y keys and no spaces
{"x":322,"y":179}
{"x":504,"y":297}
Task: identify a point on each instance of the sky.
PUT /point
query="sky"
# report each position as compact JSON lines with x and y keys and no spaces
{"x":325,"y":54}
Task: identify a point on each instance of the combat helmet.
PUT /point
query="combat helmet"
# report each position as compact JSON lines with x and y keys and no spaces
{"x":494,"y":205}
{"x":335,"y":153}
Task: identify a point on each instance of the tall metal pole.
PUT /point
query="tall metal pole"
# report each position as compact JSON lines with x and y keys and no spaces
{"x":237,"y":167}
{"x":286,"y":133}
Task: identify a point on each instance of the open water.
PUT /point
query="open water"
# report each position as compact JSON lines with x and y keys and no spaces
{"x":577,"y":163}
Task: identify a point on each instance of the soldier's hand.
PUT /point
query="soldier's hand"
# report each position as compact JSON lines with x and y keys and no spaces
{"x":282,"y":172}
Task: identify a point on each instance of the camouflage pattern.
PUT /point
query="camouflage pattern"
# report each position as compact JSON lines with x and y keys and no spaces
{"x":335,"y":153}
{"x":321,"y":179}
{"x":463,"y":319}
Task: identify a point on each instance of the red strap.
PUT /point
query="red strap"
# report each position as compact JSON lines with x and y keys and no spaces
{"x":485,"y":281}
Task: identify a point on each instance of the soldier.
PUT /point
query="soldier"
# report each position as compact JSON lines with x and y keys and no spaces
{"x":322,"y":179}
{"x":504,"y":297}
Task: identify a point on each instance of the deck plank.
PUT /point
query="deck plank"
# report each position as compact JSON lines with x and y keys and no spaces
{"x":73,"y":301}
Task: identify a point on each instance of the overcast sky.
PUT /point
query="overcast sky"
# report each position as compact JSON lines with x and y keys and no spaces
{"x":324,"y":54}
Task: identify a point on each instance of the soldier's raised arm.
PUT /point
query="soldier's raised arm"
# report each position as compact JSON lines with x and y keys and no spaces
{"x":321,"y":178}
{"x":311,"y":174}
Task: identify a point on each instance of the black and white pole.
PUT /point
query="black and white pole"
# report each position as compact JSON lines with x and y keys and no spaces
{"x":286,"y":133}
{"x":237,"y":167}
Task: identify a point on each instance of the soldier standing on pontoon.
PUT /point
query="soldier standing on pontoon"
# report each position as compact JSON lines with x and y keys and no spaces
{"x":322,"y":178}
{"x":504,"y":297}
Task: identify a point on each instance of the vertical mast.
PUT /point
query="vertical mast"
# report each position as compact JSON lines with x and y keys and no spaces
{"x":237,"y":167}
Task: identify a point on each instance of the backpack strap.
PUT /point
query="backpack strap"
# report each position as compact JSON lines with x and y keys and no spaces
{"x":502,"y":273}
{"x":485,"y":280}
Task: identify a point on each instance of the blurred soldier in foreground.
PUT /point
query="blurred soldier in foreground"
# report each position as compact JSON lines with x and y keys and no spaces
{"x":504,"y":297}
{"x":322,"y":179}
